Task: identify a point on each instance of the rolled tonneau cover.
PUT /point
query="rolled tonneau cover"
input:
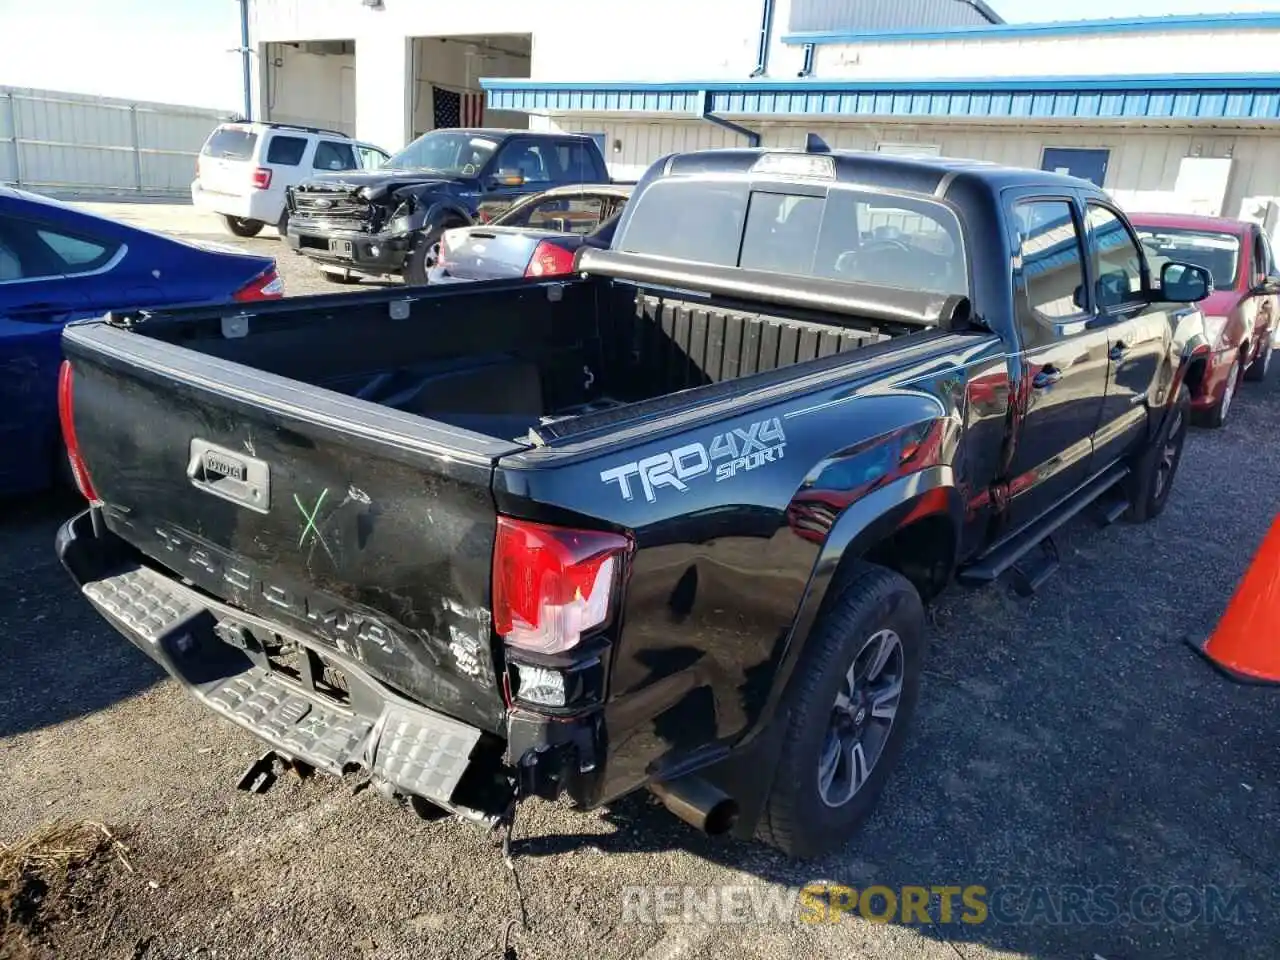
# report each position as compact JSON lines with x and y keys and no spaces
{"x":914,"y":308}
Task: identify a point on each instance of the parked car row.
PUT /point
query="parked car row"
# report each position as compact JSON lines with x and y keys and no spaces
{"x":1242,"y":315}
{"x":388,"y":222}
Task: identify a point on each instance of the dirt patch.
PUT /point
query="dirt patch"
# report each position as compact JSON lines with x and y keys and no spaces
{"x":54,"y":875}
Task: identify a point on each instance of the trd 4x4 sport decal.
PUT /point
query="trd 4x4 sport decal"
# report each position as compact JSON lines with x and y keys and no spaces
{"x":729,"y":454}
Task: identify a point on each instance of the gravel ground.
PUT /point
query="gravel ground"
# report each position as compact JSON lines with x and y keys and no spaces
{"x":1066,"y":747}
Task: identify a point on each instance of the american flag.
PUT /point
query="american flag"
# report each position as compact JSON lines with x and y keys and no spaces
{"x":454,"y":109}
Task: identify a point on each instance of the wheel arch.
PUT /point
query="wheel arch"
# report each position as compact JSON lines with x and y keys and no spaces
{"x":444,"y":212}
{"x":923,"y":511}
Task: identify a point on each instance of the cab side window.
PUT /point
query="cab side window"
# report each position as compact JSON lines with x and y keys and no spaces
{"x":1051,"y":246}
{"x":525,"y":158}
{"x":334,"y":156}
{"x":1271,"y":268}
{"x":1118,"y":262}
{"x":1261,"y":258}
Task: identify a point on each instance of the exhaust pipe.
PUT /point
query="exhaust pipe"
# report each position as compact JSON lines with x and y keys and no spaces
{"x":698,"y":804}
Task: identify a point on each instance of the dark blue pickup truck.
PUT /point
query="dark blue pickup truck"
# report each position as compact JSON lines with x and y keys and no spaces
{"x":388,"y":221}
{"x":670,"y":522}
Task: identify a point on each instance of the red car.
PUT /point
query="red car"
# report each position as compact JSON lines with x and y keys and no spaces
{"x":1241,"y":315}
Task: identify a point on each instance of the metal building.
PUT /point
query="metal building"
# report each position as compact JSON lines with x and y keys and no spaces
{"x":1171,"y":113}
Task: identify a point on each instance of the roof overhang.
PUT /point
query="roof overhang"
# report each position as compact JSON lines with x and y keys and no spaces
{"x":1188,"y":98}
{"x":1052,"y":28}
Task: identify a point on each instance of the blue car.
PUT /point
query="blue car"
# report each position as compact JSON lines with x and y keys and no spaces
{"x":59,"y":264}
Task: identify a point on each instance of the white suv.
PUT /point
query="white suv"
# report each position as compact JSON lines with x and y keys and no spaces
{"x":244,"y":169}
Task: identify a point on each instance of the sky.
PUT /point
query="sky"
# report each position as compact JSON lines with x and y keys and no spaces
{"x":176,"y":51}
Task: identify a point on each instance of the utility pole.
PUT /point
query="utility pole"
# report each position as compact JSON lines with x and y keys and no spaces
{"x":246,"y":59}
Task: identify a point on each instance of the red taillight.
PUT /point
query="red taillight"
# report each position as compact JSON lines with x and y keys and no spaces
{"x":550,"y":260}
{"x":442,"y":250}
{"x":261,"y":178}
{"x":265,"y":286}
{"x":553,"y":584}
{"x":66,"y":414}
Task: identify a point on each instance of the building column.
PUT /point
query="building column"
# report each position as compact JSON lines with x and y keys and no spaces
{"x":382,"y":89}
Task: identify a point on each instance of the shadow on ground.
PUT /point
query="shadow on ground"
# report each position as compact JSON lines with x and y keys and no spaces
{"x":61,"y":660}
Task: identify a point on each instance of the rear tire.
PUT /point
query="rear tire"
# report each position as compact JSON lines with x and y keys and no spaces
{"x":1261,"y":366}
{"x":1216,"y":417}
{"x":1154,"y":472}
{"x":839,"y":746}
{"x":241,"y":227}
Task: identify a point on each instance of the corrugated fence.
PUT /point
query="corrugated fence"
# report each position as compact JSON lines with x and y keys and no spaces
{"x":72,"y":143}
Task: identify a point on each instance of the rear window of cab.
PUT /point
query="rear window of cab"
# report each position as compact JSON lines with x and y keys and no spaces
{"x":837,"y":233}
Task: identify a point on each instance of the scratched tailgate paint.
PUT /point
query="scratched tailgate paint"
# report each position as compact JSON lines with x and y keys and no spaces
{"x":342,"y":545}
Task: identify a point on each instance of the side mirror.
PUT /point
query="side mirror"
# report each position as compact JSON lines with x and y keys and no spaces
{"x":1184,"y":283}
{"x":508,"y":178}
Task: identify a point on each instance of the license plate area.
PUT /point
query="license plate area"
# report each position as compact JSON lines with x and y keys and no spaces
{"x":288,"y":660}
{"x":340,"y":248}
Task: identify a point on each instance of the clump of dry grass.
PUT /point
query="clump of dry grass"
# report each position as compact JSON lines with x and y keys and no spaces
{"x":38,"y":872}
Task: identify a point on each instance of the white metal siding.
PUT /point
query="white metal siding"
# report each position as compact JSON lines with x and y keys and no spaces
{"x":1181,"y":51}
{"x":836,"y":15}
{"x":71,"y":142}
{"x":1142,"y":173}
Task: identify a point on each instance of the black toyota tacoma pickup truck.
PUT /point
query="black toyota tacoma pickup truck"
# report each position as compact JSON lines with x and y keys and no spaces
{"x":388,"y":221}
{"x":669,"y":523}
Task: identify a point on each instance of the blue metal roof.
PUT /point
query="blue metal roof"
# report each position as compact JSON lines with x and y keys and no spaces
{"x":1187,"y":97}
{"x":1052,"y":28}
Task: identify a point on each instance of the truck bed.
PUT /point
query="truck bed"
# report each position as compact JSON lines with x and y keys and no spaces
{"x":519,"y":364}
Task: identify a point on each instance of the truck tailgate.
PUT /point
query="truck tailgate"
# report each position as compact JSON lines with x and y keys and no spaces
{"x":366,"y":530}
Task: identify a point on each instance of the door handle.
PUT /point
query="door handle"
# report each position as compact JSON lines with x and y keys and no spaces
{"x":1046,"y":377}
{"x":1118,"y":352}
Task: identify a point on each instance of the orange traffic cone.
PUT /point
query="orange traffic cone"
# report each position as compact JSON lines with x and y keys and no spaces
{"x":1246,"y":644}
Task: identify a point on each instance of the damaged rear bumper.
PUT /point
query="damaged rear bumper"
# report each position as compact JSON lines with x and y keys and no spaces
{"x":321,"y":709}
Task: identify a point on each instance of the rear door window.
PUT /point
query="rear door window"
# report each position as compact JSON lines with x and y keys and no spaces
{"x":230,"y":143}
{"x":1053,"y":280}
{"x":331,"y":155}
{"x":286,"y":151}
